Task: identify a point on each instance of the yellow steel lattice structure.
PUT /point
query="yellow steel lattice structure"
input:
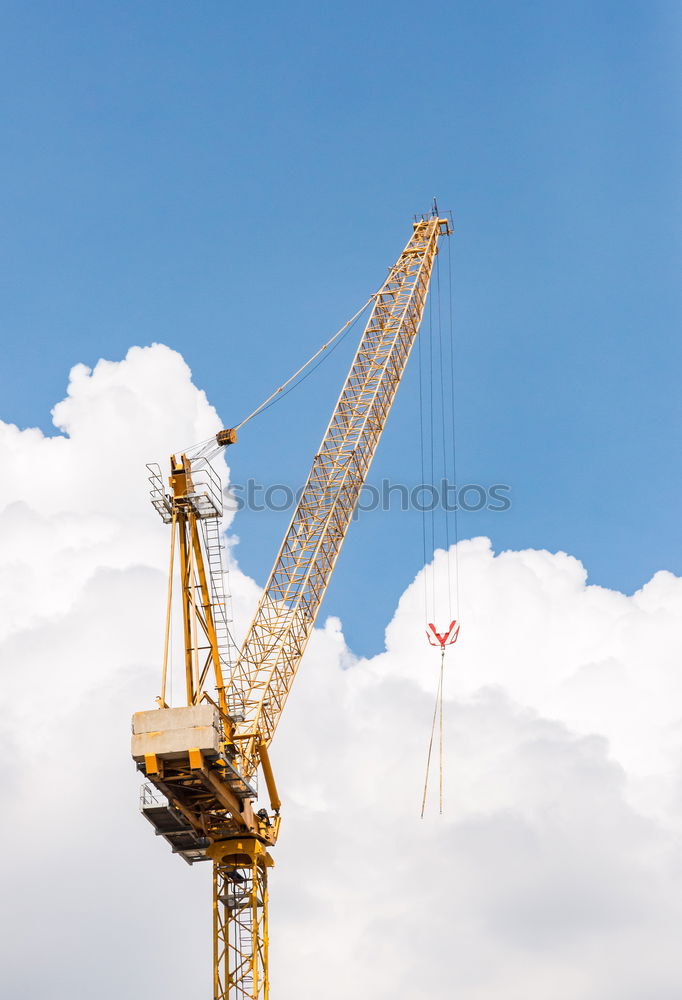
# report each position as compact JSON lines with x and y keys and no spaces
{"x":275,"y":642}
{"x":240,"y":923}
{"x":203,"y":757}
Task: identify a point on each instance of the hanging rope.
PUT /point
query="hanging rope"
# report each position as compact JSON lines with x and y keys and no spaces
{"x":440,"y":734}
{"x":437,"y":713}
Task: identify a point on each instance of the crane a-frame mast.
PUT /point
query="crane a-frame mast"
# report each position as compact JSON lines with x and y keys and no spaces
{"x":207,"y":772}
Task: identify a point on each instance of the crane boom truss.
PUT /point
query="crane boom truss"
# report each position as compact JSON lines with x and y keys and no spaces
{"x":275,"y":642}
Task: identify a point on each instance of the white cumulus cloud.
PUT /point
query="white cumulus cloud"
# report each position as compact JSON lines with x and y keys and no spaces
{"x":555,"y":870}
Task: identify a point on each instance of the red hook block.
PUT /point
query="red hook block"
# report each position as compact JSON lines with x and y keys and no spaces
{"x":446,"y":639}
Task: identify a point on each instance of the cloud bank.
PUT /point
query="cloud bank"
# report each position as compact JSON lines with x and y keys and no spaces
{"x":555,"y":871}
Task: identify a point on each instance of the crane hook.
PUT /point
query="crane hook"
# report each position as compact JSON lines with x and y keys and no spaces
{"x":447,"y":638}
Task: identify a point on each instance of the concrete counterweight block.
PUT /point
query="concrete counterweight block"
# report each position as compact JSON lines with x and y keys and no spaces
{"x":170,"y":733}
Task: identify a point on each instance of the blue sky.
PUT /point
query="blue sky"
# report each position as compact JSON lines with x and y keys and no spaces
{"x":234,"y":180}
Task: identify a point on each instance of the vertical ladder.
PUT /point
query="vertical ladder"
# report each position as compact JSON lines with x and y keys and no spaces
{"x":221,"y":600}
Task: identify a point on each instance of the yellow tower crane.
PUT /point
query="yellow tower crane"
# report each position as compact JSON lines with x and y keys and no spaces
{"x":204,"y":757}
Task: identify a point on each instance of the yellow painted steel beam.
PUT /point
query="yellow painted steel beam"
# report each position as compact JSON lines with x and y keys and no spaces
{"x":240,"y":922}
{"x":269,"y":776}
{"x":284,"y":619}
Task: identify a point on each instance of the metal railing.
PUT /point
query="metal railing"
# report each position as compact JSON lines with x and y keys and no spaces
{"x":207,"y":497}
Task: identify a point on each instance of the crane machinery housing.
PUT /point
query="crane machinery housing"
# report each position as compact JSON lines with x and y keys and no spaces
{"x":201,"y":759}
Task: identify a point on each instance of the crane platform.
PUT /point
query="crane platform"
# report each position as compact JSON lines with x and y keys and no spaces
{"x":182,"y":753}
{"x":173,"y":827}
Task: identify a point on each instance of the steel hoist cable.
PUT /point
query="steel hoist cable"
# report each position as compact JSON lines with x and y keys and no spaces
{"x":438,"y":395}
{"x":270,"y":399}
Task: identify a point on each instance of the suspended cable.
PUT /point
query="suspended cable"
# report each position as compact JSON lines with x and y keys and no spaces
{"x":441,"y":366}
{"x":310,"y":371}
{"x":451,"y":339}
{"x":437,"y":714}
{"x":198,"y":448}
{"x":432,"y":459}
{"x":440,"y":734}
{"x":169,"y":608}
{"x":440,"y":457}
{"x":421,"y":452}
{"x":308,"y":362}
{"x":171,"y":660}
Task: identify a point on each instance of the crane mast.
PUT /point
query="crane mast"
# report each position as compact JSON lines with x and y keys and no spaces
{"x":204,"y":757}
